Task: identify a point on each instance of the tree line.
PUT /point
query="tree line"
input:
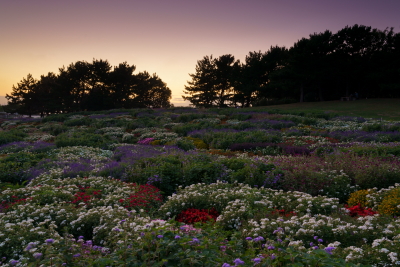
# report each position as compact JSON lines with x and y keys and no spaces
{"x":324,"y":66}
{"x":89,"y":86}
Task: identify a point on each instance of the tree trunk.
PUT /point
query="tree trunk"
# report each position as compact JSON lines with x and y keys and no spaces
{"x":321,"y":98}
{"x":301,"y":93}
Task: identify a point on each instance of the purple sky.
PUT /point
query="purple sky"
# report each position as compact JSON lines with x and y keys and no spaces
{"x":166,"y":37}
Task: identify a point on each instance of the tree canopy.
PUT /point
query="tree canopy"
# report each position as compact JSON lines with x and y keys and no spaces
{"x":89,"y":86}
{"x":324,"y":66}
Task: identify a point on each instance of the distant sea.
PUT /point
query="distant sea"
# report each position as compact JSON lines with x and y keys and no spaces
{"x":3,"y":100}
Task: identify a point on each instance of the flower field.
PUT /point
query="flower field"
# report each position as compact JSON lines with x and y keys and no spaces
{"x":190,"y":187}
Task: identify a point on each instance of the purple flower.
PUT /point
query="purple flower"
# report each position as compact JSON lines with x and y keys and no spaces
{"x":117,"y":230}
{"x":49,"y":241}
{"x":177,"y":237}
{"x":195,"y":241}
{"x":77,"y":255}
{"x":311,"y":244}
{"x":256,"y":260}
{"x":160,"y":236}
{"x":80,"y":237}
{"x":30,"y":246}
{"x":13,"y":262}
{"x":320,"y":240}
{"x":223,"y":248}
{"x":329,"y":249}
{"x":316,"y":247}
{"x":271,"y":247}
{"x":258,"y":238}
{"x":273,"y":257}
{"x":64,"y":264}
{"x":238,"y":262}
{"x":315,"y":237}
{"x":226,"y":265}
{"x":249,"y":238}
{"x":37,"y":255}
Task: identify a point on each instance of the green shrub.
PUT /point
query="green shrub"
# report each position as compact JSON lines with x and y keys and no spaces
{"x":83,"y":139}
{"x":183,"y":130}
{"x":185,"y":144}
{"x":58,"y":129}
{"x":185,"y":118}
{"x":360,"y":198}
{"x":78,"y":122}
{"x":14,"y":166}
{"x":198,"y":143}
{"x":390,"y":204}
{"x":142,"y":122}
{"x":56,"y":117}
{"x":373,"y":127}
{"x":11,"y":136}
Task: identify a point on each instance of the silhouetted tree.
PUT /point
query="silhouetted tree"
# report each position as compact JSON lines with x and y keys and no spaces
{"x":121,"y":85}
{"x":150,"y":91}
{"x":23,"y":95}
{"x":90,"y":86}
{"x":201,"y":89}
{"x":214,"y":81}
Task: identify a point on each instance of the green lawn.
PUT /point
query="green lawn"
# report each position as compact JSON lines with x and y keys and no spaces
{"x":387,"y":109}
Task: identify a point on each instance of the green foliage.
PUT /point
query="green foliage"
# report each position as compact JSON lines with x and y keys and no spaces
{"x":185,"y":144}
{"x":254,"y":173}
{"x":383,"y":151}
{"x":177,"y":170}
{"x":198,"y":143}
{"x":184,"y":129}
{"x":79,"y":122}
{"x":56,"y":129}
{"x":223,"y":140}
{"x":82,"y":139}
{"x":14,"y":166}
{"x":185,"y":118}
{"x":11,"y":136}
{"x":142,"y":122}
{"x":56,"y":118}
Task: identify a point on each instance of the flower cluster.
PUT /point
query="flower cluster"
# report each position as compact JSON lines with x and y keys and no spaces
{"x":193,"y":215}
{"x":359,"y":210}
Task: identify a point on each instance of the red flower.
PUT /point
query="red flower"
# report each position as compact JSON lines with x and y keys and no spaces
{"x":284,"y":213}
{"x":192,"y":215}
{"x":85,"y":195}
{"x":358,"y":210}
{"x":145,"y":197}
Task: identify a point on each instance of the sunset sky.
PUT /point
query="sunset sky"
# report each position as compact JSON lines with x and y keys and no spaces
{"x":166,"y":37}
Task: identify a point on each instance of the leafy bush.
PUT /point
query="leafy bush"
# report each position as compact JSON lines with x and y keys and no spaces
{"x":360,"y":198}
{"x":83,"y":139}
{"x":14,"y":167}
{"x":11,"y":136}
{"x":185,"y":144}
{"x":198,"y":143}
{"x":78,"y":121}
{"x":55,"y":117}
{"x":373,"y":127}
{"x":183,"y":130}
{"x":390,"y":204}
